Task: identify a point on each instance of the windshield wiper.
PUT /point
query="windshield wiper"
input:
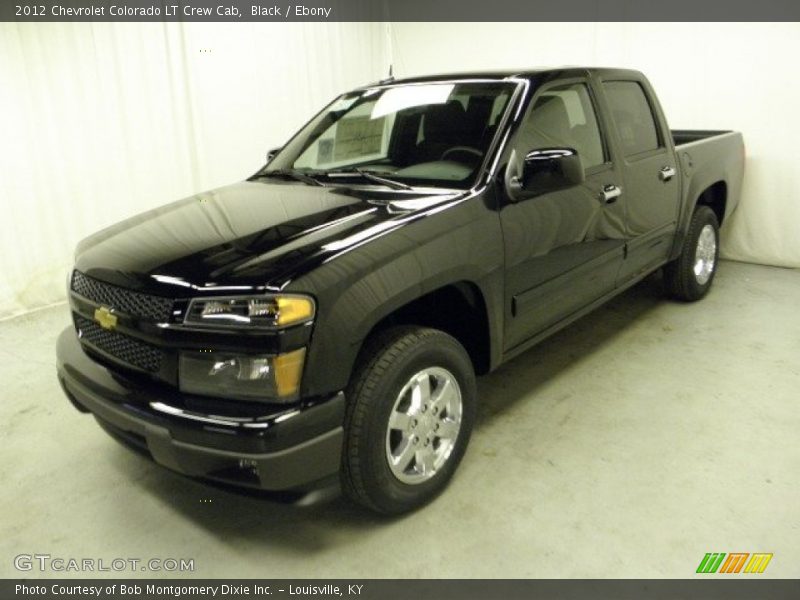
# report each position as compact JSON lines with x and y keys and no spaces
{"x":293,"y":173}
{"x":397,"y":185}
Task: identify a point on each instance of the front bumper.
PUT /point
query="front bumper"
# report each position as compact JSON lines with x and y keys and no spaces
{"x":286,"y":448}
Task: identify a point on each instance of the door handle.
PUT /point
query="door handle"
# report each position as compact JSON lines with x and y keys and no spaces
{"x":610,"y":193}
{"x":666,"y":173}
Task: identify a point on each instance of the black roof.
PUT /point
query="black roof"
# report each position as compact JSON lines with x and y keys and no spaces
{"x":530,"y":73}
{"x":501,"y":74}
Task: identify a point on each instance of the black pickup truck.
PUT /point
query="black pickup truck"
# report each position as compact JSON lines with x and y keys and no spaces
{"x":324,"y":320}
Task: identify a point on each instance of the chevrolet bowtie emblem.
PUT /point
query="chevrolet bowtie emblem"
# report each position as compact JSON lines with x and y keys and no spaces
{"x":105,"y":318}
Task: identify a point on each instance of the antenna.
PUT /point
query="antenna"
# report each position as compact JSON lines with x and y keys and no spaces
{"x":389,"y":79}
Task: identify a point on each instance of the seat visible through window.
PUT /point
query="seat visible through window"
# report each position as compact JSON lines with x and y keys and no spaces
{"x":443,"y":127}
{"x":564,"y":117}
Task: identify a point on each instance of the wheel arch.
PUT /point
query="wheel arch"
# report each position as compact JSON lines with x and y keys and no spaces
{"x":458,"y":308}
{"x":715,"y":196}
{"x":467,"y":307}
{"x":712,"y":193}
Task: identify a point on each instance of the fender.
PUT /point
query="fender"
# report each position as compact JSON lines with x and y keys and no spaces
{"x":358,"y":289}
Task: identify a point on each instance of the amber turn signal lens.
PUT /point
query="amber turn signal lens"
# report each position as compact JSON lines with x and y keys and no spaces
{"x":294,"y":309}
{"x":288,"y":369}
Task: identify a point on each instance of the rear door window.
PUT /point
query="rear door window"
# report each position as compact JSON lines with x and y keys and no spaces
{"x":633,"y":116}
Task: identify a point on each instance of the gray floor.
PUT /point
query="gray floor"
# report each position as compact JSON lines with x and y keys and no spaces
{"x":629,"y":445}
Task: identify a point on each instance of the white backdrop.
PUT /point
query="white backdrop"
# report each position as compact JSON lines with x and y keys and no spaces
{"x":101,"y":121}
{"x":707,"y":76}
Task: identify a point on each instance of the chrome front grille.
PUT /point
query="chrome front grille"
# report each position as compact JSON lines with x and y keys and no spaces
{"x":136,"y":304}
{"x":120,"y":346}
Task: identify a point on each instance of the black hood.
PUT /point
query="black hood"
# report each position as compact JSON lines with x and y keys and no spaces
{"x":250,"y":235}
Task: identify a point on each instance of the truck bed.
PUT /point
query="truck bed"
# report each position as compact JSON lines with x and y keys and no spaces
{"x":687,"y":136}
{"x":711,"y":157}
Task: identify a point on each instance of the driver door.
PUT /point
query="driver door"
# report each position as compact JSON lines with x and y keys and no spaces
{"x":562,"y":249}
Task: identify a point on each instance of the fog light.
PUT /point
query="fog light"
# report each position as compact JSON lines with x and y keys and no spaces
{"x":241,"y":376}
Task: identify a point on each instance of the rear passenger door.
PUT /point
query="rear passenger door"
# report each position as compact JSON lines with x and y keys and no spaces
{"x":651,"y":186}
{"x":563,"y":249}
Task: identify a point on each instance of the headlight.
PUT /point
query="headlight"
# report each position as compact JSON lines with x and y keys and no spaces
{"x":268,"y":312}
{"x":242,"y":376}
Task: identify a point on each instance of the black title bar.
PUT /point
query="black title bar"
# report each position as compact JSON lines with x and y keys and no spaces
{"x":399,"y":10}
{"x":733,"y":588}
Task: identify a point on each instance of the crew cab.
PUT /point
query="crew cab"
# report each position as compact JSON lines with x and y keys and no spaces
{"x":324,"y":320}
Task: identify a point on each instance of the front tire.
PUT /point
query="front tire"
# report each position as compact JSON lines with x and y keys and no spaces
{"x":410,"y":411}
{"x":689,"y":276}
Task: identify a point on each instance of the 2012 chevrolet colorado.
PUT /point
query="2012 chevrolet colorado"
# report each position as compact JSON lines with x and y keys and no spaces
{"x":325,"y":319}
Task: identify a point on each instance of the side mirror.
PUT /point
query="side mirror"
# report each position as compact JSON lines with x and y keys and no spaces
{"x":271,"y":153}
{"x":544,"y":170}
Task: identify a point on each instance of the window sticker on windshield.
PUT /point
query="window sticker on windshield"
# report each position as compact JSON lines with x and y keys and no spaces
{"x":325,"y":151}
{"x":358,"y":137}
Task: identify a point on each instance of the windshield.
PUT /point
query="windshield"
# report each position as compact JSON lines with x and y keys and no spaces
{"x":417,"y":134}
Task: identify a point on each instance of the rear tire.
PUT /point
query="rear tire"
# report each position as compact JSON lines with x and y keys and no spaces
{"x":410,"y":411}
{"x":689,"y":277}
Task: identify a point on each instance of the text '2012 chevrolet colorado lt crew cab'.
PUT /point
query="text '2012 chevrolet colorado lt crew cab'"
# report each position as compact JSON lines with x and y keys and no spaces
{"x":325,"y":319}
